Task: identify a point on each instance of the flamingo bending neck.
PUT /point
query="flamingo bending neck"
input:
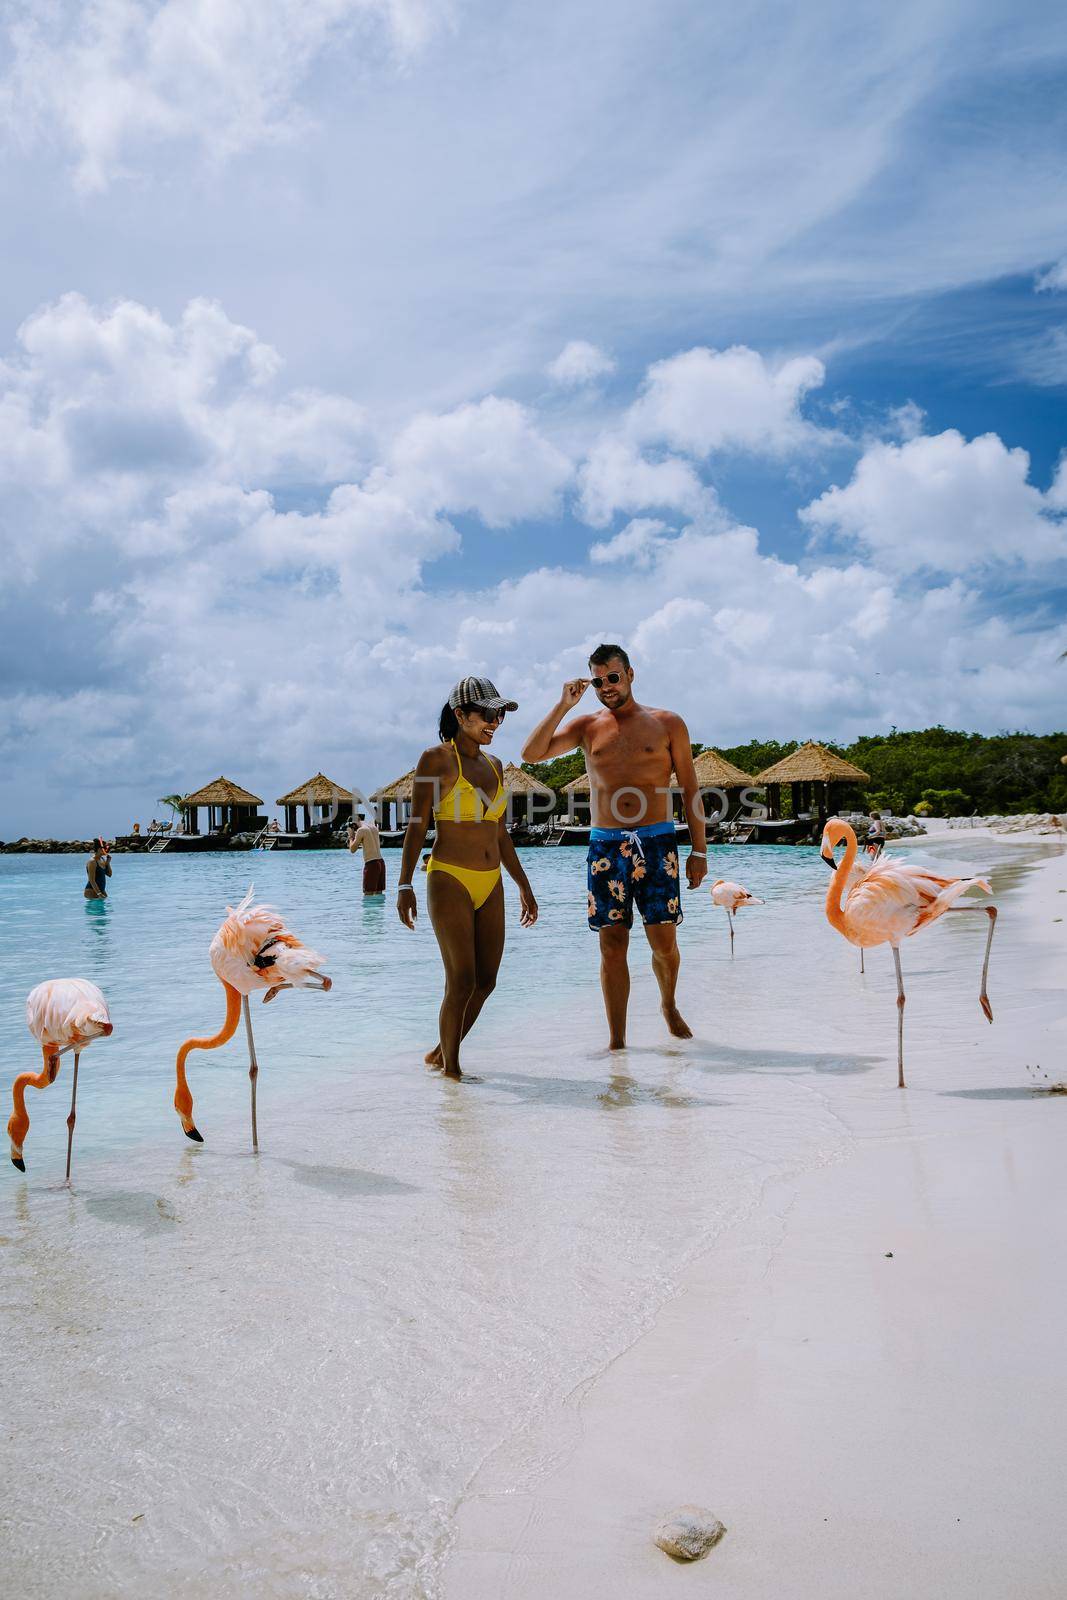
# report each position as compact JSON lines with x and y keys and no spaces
{"x":183,"y":1099}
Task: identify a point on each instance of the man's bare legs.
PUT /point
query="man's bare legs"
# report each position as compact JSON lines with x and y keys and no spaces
{"x":615,"y":982}
{"x":615,"y":978}
{"x":666,"y":960}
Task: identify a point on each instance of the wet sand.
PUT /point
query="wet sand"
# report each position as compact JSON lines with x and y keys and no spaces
{"x":864,"y":1379}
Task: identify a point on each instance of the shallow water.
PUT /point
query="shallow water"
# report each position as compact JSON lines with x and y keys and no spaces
{"x":277,"y":1374}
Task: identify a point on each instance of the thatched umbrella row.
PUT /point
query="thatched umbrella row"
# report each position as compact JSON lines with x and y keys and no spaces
{"x":810,"y":770}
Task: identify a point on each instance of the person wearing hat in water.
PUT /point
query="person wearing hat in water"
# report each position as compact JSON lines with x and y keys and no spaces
{"x":461,"y":787}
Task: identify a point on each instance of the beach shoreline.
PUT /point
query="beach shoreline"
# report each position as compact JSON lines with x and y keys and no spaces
{"x":862,"y":1378}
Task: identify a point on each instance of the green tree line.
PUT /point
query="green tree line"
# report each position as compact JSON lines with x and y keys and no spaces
{"x":947,"y":771}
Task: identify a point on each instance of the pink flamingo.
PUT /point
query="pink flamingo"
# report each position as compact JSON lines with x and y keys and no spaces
{"x":732,"y":897}
{"x":62,"y":1014}
{"x":252,"y":950}
{"x":891,"y":901}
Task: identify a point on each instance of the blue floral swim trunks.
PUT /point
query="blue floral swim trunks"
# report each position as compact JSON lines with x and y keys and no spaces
{"x":630,"y":867}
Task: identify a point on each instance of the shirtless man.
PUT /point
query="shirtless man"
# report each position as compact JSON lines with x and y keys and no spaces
{"x":630,"y":750}
{"x":366,"y":837}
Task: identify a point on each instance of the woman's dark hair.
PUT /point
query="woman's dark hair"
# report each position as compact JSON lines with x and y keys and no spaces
{"x":448,"y":725}
{"x":608,"y":652}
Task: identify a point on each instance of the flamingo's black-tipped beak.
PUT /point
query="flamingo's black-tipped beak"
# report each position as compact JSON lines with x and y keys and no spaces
{"x":829,"y":859}
{"x":192,"y":1133}
{"x":17,"y":1161}
{"x":327,"y":985}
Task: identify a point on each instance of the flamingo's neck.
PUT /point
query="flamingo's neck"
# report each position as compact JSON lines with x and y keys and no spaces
{"x":183,"y":1100}
{"x":835,"y":914}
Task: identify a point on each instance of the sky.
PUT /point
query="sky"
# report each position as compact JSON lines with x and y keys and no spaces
{"x":350,"y":348}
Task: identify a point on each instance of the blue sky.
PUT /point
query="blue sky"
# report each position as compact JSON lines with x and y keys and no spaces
{"x":348,"y":348}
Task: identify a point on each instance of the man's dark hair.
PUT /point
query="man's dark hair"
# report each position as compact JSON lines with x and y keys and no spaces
{"x":608,"y":652}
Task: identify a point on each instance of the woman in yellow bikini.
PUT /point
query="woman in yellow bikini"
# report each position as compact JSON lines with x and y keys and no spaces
{"x":461,"y":787}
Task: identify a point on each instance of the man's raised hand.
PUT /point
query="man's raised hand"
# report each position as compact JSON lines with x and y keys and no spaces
{"x":572,"y":692}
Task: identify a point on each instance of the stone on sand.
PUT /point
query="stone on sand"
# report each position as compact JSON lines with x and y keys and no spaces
{"x":688,"y":1533}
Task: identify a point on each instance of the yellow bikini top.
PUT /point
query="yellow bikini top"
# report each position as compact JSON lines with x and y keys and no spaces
{"x":462,"y":802}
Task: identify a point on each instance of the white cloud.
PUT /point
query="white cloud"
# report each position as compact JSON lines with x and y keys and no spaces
{"x":489,"y":458}
{"x":944,"y":503}
{"x":579,"y":363}
{"x":706,"y":400}
{"x":614,"y":477}
{"x":637,"y":542}
{"x":1057,"y":494}
{"x":906,"y":421}
{"x":102,"y":75}
{"x":1054,"y":277}
{"x":123,"y":394}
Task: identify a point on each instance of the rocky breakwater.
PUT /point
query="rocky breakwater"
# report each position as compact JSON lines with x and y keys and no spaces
{"x":1025,"y":822}
{"x":47,"y":847}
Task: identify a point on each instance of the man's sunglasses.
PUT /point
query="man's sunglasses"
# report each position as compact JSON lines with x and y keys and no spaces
{"x":491,"y":713}
{"x":609,"y":677}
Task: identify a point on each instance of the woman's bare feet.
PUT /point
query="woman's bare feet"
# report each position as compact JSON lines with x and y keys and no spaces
{"x":435,"y":1060}
{"x":676,"y":1023}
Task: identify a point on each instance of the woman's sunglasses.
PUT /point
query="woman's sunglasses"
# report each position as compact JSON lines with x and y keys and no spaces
{"x":609,"y":677}
{"x":490,"y":713}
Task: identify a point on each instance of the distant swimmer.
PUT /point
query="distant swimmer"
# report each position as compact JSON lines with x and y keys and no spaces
{"x":630,"y":752}
{"x":366,"y":837}
{"x":460,"y":785}
{"x":98,"y":870}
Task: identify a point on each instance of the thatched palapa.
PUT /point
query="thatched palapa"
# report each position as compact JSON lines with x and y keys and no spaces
{"x":539,"y":798}
{"x":516,"y":781}
{"x":398,"y":794}
{"x":715,"y":772}
{"x":229,"y":808}
{"x":222,"y":792}
{"x":321,"y":799}
{"x":810,"y":771}
{"x":813,"y":763}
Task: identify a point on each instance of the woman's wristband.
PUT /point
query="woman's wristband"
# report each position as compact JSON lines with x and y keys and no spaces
{"x":410,"y":886}
{"x":703,"y":854}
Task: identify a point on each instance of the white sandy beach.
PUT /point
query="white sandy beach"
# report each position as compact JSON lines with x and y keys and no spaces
{"x":865,"y":1379}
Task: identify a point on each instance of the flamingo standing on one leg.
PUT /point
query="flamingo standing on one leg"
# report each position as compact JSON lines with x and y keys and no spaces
{"x":252,"y":950}
{"x":891,"y":901}
{"x":62,"y":1014}
{"x":732,"y":897}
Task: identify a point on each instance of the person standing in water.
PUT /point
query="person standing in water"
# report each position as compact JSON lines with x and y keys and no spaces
{"x":876,"y":836}
{"x":460,"y":785}
{"x":366,"y":837}
{"x":98,"y":870}
{"x":630,"y":752}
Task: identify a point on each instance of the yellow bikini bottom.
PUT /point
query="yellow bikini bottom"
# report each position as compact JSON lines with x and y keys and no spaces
{"x":479,"y":885}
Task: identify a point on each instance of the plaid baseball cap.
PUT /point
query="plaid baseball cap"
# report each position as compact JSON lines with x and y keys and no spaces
{"x":479,"y":692}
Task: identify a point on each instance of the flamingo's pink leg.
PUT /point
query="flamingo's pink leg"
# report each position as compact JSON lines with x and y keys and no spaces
{"x":991,"y":913}
{"x":730,"y":917}
{"x":900,"y":1019}
{"x":73,"y":1117}
{"x":253,"y":1071}
{"x":862,"y":968}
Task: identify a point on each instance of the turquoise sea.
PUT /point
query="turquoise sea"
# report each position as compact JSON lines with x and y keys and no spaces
{"x":275,"y":1375}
